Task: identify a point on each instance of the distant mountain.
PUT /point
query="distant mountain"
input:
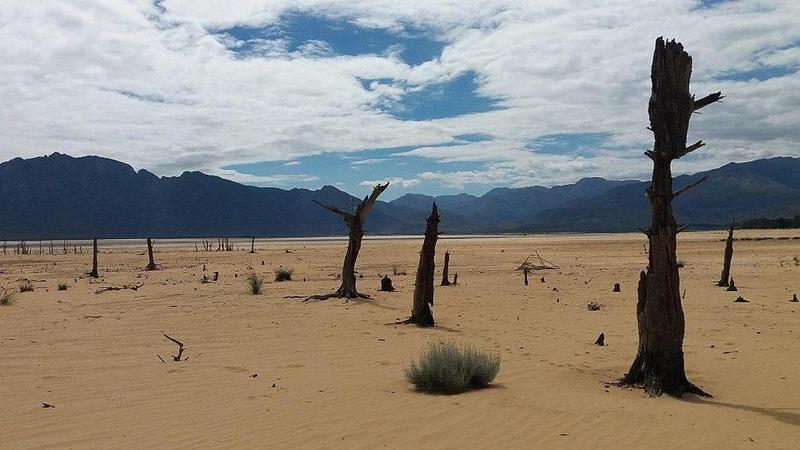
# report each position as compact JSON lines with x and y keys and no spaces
{"x":58,"y":196}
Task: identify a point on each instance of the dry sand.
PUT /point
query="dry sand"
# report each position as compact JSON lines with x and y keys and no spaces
{"x":330,"y":374}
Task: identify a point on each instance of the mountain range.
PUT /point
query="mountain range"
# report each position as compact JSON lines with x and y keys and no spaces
{"x":64,"y":197}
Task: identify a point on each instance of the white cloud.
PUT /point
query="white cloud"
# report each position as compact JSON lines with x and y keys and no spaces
{"x":164,"y":92}
{"x":396,"y":181}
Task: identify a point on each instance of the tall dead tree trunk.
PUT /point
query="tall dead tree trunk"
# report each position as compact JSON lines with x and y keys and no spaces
{"x":421,"y":313}
{"x":93,"y":273}
{"x":152,"y":264}
{"x":659,"y":362}
{"x":724,"y":278}
{"x":252,"y":245}
{"x":445,"y":276}
{"x":355,"y":223}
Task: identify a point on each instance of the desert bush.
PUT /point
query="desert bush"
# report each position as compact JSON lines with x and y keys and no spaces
{"x":282,"y":274}
{"x":62,"y":286}
{"x":6,"y":298}
{"x":449,"y":368}
{"x":594,"y":306}
{"x":26,"y":286}
{"x":254,"y":283}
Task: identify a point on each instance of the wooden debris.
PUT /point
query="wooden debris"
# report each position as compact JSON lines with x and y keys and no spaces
{"x":601,"y":340}
{"x":133,"y":287}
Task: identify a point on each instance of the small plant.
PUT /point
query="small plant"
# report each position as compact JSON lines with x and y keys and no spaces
{"x":62,"y":286}
{"x":282,"y":274}
{"x":449,"y":368}
{"x":26,"y":286}
{"x":6,"y":298}
{"x":594,"y":306}
{"x":254,"y":283}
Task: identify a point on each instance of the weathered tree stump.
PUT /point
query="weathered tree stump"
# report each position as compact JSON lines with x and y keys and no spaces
{"x":601,"y":340}
{"x":616,"y":288}
{"x":445,"y":276}
{"x":741,"y":300}
{"x":726,"y":264}
{"x":252,"y":245}
{"x":386,"y":284}
{"x":794,"y":298}
{"x":455,"y":279}
{"x":93,"y":273}
{"x":659,"y":363}
{"x":421,"y":313}
{"x":525,"y":276}
{"x":152,"y":264}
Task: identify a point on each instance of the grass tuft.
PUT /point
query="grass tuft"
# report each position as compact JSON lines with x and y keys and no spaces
{"x":450,"y":368}
{"x":282,"y":274}
{"x":26,"y":286}
{"x":6,"y":298}
{"x":62,"y":286}
{"x":254,"y":283}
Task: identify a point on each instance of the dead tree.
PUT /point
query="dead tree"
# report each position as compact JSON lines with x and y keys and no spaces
{"x":421,"y":313}
{"x":529,"y":265}
{"x":355,"y":223}
{"x":252,"y":245}
{"x":659,"y":363}
{"x":152,"y":264}
{"x":724,"y":278}
{"x":93,"y":273}
{"x":445,"y":277}
{"x":386,"y":284}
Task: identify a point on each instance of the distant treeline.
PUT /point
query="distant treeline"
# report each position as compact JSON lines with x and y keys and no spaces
{"x":780,"y":222}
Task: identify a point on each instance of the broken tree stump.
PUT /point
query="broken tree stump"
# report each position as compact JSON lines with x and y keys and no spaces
{"x":421,"y":313}
{"x":616,"y":288}
{"x":445,"y":277}
{"x":726,"y":263}
{"x":93,"y":273}
{"x":152,"y":264}
{"x":794,"y":298}
{"x":386,"y":284}
{"x":601,"y":340}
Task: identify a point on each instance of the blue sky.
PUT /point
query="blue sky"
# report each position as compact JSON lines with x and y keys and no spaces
{"x":437,"y":97}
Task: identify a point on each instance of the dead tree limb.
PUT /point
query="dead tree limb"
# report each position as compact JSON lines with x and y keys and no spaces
{"x":659,"y":363}
{"x":93,"y":273}
{"x":177,"y":358}
{"x":132,"y":287}
{"x":445,"y":269}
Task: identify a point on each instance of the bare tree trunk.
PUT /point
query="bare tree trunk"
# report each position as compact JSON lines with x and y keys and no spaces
{"x":659,"y":362}
{"x":421,"y":313}
{"x":525,"y":276}
{"x":355,"y":223}
{"x":445,"y":277}
{"x":152,"y":264}
{"x":252,"y":245}
{"x":724,"y":278}
{"x":93,"y":273}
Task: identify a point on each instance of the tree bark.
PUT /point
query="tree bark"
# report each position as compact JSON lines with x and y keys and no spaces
{"x":93,"y":273}
{"x":659,"y":363}
{"x":152,"y":264}
{"x":445,"y":276}
{"x":421,"y":313}
{"x":355,"y":223}
{"x":724,"y":278}
{"x":252,"y":245}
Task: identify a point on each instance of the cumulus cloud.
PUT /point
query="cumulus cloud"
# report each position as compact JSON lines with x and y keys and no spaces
{"x":160,"y":86}
{"x":396,"y":181}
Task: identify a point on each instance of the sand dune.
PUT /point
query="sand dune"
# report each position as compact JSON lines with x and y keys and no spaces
{"x":330,"y":374}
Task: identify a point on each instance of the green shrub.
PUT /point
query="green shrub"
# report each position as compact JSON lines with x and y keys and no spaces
{"x":6,"y":298}
{"x":26,"y":286}
{"x":282,"y":274}
{"x":62,"y":286}
{"x":254,"y":283}
{"x":449,"y":368}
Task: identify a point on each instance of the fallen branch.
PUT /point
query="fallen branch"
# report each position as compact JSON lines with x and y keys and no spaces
{"x":133,"y":287}
{"x":176,"y":358}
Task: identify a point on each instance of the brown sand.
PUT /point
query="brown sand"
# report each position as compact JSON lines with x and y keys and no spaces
{"x":330,"y":374}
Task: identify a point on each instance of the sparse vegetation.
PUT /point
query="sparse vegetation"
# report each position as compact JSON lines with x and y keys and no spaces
{"x":254,"y":283}
{"x":283,"y":274}
{"x":6,"y":298}
{"x":450,"y":368}
{"x":594,"y":306}
{"x":62,"y":286}
{"x":26,"y":286}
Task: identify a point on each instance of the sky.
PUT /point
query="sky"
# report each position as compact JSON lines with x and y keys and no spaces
{"x":437,"y":97}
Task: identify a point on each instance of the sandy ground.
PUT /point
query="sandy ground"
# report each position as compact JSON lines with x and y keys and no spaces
{"x":330,"y":374}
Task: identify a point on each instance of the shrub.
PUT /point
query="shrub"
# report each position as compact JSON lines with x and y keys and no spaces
{"x":62,"y":286}
{"x":254,"y":283}
{"x":6,"y":298}
{"x":449,"y":368}
{"x":26,"y":286}
{"x":282,"y":274}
